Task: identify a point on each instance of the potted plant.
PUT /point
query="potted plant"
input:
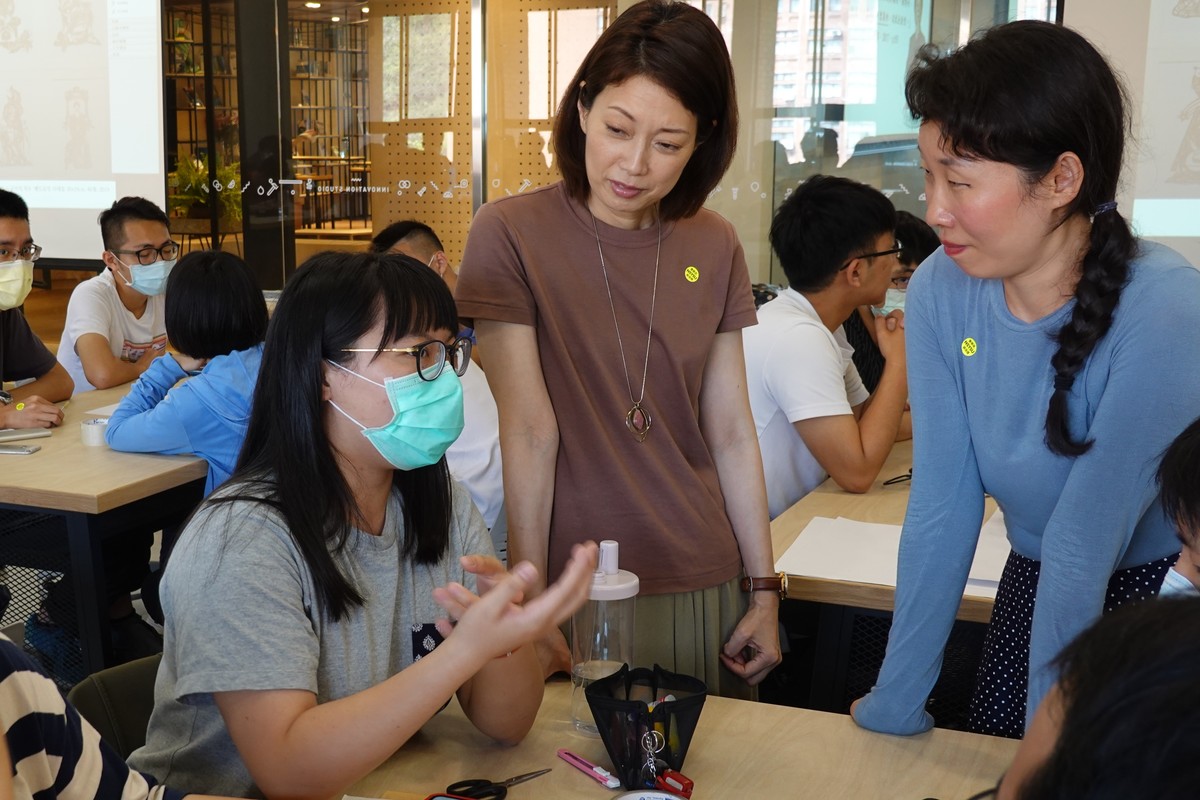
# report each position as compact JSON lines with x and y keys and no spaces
{"x":190,"y":190}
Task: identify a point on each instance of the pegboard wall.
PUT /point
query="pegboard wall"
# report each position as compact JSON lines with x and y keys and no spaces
{"x":425,"y":161}
{"x":534,"y":49}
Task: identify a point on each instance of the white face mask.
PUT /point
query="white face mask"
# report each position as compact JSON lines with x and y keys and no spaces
{"x":16,"y":279}
{"x":1175,"y":585}
{"x":893,"y":302}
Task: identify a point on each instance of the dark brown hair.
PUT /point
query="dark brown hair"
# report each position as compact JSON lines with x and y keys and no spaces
{"x":679,"y":48}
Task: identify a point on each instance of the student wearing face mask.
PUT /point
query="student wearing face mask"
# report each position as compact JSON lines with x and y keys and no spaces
{"x":304,"y":639}
{"x":1181,"y":503}
{"x":216,"y":319}
{"x":23,"y":357}
{"x":115,"y":322}
{"x":835,"y":239}
{"x":474,"y":458}
{"x":917,"y":241}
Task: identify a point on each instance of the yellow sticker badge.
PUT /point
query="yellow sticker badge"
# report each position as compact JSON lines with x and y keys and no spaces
{"x":969,"y":347}
{"x":692,"y":274}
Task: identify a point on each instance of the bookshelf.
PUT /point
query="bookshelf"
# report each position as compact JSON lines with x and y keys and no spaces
{"x":328,"y":88}
{"x":201,"y":113}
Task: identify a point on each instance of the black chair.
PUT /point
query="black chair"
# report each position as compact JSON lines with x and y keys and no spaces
{"x":118,"y":701}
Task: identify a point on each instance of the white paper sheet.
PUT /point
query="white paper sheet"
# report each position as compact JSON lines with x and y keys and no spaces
{"x":103,"y":411}
{"x":865,"y":552}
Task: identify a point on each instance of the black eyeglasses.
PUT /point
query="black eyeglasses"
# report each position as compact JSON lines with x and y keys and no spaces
{"x":431,"y":356}
{"x":148,"y":255}
{"x":891,"y":251}
{"x":30,"y":252}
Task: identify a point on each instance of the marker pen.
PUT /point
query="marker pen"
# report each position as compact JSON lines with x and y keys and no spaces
{"x":598,"y":774}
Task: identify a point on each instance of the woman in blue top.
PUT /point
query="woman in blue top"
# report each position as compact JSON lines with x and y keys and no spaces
{"x":216,"y":315}
{"x":1036,"y":335}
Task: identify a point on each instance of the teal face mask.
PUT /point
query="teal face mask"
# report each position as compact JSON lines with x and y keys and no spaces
{"x":427,"y":417}
{"x":893,"y":302}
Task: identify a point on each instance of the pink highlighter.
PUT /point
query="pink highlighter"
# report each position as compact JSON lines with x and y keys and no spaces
{"x":596,"y":773}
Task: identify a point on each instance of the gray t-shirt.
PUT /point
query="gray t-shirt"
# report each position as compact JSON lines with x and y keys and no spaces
{"x":241,"y":614}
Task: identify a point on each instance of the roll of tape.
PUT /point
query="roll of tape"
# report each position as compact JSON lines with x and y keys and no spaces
{"x":92,"y":431}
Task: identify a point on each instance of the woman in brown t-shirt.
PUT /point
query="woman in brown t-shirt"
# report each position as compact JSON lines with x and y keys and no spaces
{"x":609,"y":310}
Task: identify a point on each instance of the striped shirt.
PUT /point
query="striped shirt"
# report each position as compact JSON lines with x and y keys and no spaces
{"x":56,"y":753}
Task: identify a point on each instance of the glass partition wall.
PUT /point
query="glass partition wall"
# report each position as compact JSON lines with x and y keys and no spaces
{"x":294,"y":127}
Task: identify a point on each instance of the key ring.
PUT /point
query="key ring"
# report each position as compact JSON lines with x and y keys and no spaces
{"x":652,"y":742}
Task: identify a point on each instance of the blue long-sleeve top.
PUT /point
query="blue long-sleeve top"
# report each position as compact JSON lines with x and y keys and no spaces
{"x":206,"y":415}
{"x":979,"y":413}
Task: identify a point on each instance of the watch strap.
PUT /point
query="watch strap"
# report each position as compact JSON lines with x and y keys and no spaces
{"x":775,"y":583}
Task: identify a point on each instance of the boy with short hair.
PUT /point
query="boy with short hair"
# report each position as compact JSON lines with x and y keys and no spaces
{"x":835,"y":239}
{"x":115,"y":321}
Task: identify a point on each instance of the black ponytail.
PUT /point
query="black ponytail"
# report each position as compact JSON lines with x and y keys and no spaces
{"x":1104,"y":273}
{"x":1025,"y":93}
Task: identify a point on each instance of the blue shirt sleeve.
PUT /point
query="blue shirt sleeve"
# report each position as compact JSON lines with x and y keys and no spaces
{"x":941,"y":528}
{"x":143,"y":423}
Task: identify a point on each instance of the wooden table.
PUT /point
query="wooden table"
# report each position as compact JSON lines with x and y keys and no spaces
{"x":885,"y":504}
{"x":740,"y":750}
{"x":100,"y":493}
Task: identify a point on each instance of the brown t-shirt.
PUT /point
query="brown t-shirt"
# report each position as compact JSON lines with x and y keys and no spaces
{"x":532,"y":259}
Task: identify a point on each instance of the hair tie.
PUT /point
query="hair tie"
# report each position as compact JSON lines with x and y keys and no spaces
{"x":1064,"y":382}
{"x":1103,"y":208}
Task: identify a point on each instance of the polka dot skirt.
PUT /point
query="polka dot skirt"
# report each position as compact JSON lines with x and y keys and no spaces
{"x":998,"y":706}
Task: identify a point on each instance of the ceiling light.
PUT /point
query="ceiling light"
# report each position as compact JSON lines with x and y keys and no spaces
{"x":365,"y":10}
{"x":312,"y":5}
{"x":336,"y":19}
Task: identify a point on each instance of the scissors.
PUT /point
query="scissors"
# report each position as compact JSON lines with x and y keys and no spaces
{"x":483,"y":789}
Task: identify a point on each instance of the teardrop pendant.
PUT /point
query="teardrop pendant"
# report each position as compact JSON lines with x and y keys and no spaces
{"x":638,"y":421}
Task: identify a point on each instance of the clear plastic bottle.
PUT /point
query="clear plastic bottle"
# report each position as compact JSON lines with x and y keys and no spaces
{"x":601,"y":632}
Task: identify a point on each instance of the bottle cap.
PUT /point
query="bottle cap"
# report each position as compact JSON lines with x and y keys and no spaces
{"x":609,"y":582}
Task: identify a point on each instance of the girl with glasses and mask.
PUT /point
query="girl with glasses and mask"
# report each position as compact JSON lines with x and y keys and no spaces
{"x":1051,"y":362}
{"x":308,"y":600}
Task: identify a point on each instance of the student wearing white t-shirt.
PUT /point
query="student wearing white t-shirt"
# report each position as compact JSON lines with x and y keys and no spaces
{"x":115,"y":327}
{"x":835,"y":239}
{"x":114,"y":330}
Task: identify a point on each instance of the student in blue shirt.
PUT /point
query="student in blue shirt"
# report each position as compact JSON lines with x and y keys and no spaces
{"x":216,"y":319}
{"x":1051,"y":359}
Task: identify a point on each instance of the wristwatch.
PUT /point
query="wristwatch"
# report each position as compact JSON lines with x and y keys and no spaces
{"x":775,"y":583}
{"x":5,"y":398}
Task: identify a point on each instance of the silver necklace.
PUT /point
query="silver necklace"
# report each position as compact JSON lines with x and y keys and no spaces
{"x":637,"y":419}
